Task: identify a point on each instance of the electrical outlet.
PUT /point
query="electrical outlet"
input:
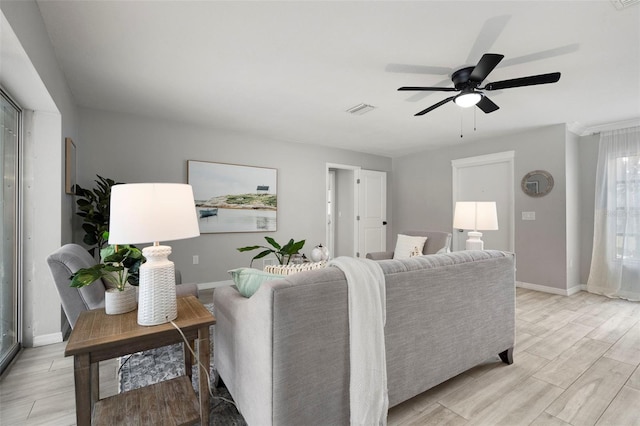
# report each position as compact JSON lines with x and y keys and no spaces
{"x":196,"y":259}
{"x":528,"y":215}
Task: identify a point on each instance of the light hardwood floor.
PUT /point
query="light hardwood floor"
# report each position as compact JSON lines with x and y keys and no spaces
{"x":576,"y":363}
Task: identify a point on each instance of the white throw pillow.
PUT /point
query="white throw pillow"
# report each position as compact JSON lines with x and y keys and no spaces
{"x":407,"y":244}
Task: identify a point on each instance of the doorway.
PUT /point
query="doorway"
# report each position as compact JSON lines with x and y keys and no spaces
{"x":341,"y":210}
{"x":356,"y":210}
{"x":487,"y":178}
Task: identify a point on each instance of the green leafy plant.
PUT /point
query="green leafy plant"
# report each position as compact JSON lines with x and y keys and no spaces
{"x":120,"y":264}
{"x":93,"y":207}
{"x":282,"y":253}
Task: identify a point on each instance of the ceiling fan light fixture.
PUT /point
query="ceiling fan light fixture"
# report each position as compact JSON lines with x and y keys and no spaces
{"x":467,"y":99}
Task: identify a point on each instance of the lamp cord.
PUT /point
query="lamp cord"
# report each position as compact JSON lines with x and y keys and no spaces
{"x":124,"y":363}
{"x":201,"y":367}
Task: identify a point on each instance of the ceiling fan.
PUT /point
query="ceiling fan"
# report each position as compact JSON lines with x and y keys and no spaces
{"x":467,"y":81}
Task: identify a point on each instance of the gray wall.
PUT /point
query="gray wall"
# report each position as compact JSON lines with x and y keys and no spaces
{"x":137,"y":149}
{"x":555,"y":249}
{"x":573,"y":209}
{"x":422,"y":188}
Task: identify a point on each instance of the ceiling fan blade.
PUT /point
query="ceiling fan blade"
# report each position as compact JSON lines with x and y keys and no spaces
{"x":487,"y":63}
{"x":418,"y":96}
{"x":524,"y":81}
{"x":428,"y":89}
{"x":434,"y":106}
{"x":545,"y":54}
{"x":487,"y":105}
{"x":491,"y":30}
{"x":417,"y":69}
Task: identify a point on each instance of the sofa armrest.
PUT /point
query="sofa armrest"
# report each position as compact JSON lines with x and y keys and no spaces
{"x":290,"y":333}
{"x":242,"y":350}
{"x":380,"y":255}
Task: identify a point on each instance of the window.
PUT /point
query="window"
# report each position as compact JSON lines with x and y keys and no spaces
{"x":615,"y":260}
{"x":627,"y":170}
{"x":10,"y":124}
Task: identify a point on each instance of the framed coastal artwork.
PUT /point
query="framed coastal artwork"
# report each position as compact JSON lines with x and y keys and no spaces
{"x":234,"y":198}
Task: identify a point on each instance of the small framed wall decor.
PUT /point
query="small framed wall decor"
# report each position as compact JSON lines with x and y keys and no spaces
{"x":69,"y":166}
{"x":234,"y":198}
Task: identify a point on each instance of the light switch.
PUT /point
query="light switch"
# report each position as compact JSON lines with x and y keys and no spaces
{"x":528,"y":215}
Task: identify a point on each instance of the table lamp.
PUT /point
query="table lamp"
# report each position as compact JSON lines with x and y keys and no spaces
{"x":148,"y":213}
{"x":478,"y":216}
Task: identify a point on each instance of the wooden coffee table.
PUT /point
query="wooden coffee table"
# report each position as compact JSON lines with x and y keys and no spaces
{"x":97,"y":337}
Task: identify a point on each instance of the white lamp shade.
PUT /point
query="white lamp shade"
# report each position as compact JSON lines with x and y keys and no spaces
{"x":476,"y":215}
{"x":152,"y":212}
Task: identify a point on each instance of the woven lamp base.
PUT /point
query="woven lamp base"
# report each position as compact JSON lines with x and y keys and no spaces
{"x":157,"y":299}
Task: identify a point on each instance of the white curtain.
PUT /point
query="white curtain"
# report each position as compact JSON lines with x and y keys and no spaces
{"x":615,"y":263}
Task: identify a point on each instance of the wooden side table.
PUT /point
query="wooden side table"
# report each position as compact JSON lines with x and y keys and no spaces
{"x":97,"y":337}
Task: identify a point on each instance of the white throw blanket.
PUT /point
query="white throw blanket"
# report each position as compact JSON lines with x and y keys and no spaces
{"x":368,"y":397}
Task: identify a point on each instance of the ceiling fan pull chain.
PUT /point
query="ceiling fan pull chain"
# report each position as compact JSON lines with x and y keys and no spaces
{"x":474,"y":119}
{"x":460,"y":123}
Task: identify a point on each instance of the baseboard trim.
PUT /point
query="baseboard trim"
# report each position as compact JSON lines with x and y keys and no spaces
{"x":47,"y":339}
{"x":553,"y":290}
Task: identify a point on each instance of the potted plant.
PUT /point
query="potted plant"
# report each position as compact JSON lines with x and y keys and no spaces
{"x":120,"y":268}
{"x":282,"y":252}
{"x":93,"y":206}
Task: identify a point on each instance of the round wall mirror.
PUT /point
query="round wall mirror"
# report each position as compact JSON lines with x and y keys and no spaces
{"x":537,"y":183}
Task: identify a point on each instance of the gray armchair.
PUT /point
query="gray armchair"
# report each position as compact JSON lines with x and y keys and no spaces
{"x":437,"y":242}
{"x":70,"y":258}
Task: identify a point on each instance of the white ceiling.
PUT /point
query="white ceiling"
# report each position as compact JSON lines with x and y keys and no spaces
{"x":289,"y":70}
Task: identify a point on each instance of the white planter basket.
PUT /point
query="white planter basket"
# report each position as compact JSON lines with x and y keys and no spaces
{"x":119,"y":302}
{"x":294,"y":268}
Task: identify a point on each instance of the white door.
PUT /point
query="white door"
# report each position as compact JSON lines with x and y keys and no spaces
{"x":372,"y":213}
{"x":487,"y":178}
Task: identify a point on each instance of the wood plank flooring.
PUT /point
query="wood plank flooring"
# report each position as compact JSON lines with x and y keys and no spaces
{"x":577,"y":362}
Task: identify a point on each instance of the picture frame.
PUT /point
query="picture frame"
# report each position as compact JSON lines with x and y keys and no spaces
{"x":69,"y":166}
{"x":233,"y":198}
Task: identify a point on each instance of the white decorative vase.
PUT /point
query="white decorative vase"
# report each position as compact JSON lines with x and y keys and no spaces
{"x":319,"y":253}
{"x":325,"y":253}
{"x":119,"y":302}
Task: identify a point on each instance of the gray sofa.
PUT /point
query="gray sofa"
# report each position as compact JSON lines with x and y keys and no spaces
{"x":284,"y":353}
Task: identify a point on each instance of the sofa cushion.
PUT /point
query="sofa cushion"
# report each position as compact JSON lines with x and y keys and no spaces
{"x":407,"y":245}
{"x":249,"y":280}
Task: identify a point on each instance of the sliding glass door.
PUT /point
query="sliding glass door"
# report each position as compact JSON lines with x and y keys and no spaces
{"x":9,"y":236}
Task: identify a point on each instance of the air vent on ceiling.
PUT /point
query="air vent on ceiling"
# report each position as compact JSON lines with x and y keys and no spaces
{"x":621,"y":4}
{"x":360,"y":109}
